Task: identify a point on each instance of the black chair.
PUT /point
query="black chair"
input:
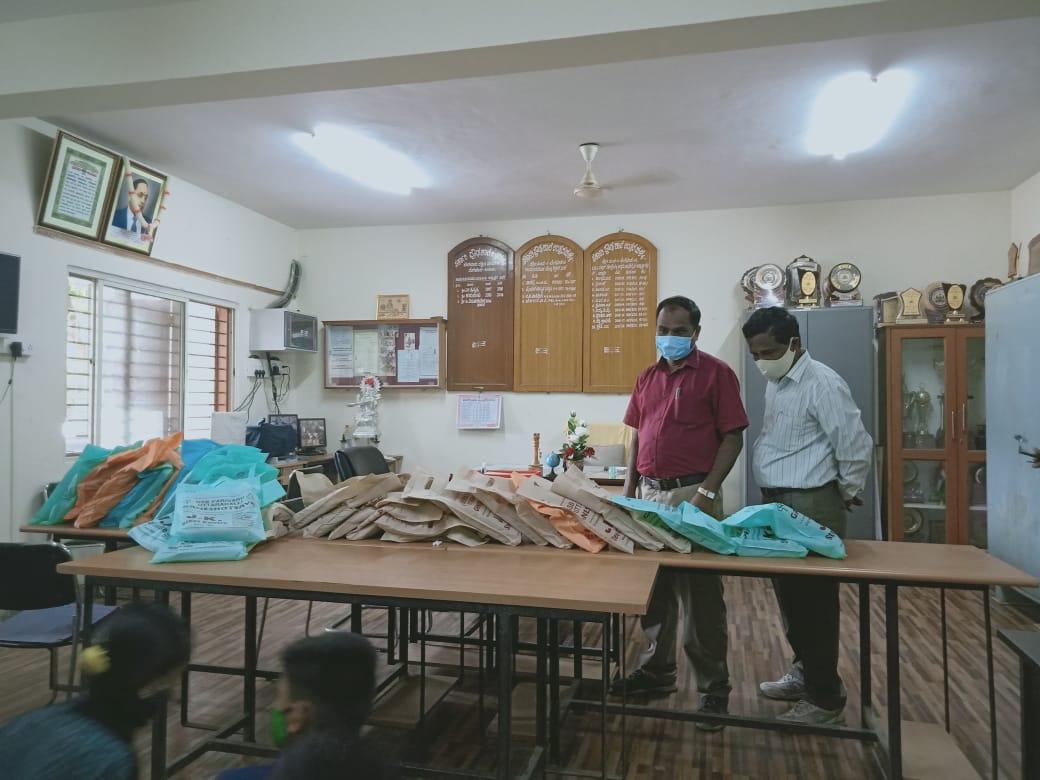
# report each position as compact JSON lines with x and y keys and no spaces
{"x":48,"y":604}
{"x":358,"y":461}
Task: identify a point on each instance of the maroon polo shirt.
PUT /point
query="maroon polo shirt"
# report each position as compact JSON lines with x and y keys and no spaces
{"x":681,"y":416}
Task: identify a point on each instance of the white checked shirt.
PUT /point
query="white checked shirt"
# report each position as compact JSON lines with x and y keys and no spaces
{"x":812,"y":433}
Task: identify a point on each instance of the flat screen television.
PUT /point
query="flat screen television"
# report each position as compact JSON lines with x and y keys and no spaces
{"x":10,"y":266}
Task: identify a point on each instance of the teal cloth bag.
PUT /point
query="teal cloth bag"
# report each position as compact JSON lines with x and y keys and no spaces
{"x":228,"y":511}
{"x":787,"y":523}
{"x":192,"y":451}
{"x":705,"y":530}
{"x":151,"y":536}
{"x":759,"y":543}
{"x":141,"y":496}
{"x":63,"y":497}
{"x":186,"y":552}
{"x":648,"y":513}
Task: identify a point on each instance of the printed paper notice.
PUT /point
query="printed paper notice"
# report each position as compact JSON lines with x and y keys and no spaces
{"x":366,"y":352}
{"x":340,"y":349}
{"x":407,"y":366}
{"x":429,"y":365}
{"x":481,"y":412}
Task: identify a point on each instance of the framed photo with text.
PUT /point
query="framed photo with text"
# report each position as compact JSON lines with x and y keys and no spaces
{"x":312,"y":433}
{"x":78,"y":187}
{"x":134,"y":215}
{"x":392,"y":307}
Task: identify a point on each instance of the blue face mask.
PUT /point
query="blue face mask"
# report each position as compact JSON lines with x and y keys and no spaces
{"x":674,"y":347}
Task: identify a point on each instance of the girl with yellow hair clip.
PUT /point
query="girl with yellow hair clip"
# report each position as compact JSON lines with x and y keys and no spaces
{"x":136,"y":653}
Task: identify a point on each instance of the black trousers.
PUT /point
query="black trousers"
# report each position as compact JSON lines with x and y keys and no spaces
{"x":810,"y":606}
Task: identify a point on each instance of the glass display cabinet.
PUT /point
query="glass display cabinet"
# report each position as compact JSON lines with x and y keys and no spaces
{"x":934,"y":409}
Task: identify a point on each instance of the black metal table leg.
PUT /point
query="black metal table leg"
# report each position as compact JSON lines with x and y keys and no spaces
{"x":504,"y":637}
{"x":895,"y":733}
{"x":249,"y":678}
{"x":865,"y":681}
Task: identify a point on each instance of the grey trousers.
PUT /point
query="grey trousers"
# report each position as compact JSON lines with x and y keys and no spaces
{"x":705,"y":638}
{"x":810,"y":606}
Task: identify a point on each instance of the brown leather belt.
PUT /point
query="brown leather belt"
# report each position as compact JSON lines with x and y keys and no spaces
{"x":673,"y":483}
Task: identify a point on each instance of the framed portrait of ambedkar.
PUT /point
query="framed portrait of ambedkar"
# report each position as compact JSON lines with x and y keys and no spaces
{"x":78,"y":187}
{"x":134,"y":215}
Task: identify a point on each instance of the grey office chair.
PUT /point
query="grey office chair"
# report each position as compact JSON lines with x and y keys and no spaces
{"x":48,"y":604}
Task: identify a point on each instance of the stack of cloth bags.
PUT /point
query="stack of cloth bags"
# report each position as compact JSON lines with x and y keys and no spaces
{"x":474,"y":508}
{"x":183,"y":500}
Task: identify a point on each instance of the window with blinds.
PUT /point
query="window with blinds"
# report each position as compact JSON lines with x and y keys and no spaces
{"x":141,"y":364}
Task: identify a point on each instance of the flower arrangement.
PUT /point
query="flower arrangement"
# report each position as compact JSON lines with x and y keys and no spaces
{"x":575,"y":446}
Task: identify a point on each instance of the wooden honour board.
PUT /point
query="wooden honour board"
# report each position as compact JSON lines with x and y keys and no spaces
{"x":480,"y":308}
{"x":621,"y":282}
{"x":549,"y":311}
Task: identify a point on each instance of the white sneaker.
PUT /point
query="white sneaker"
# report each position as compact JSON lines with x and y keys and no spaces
{"x":790,"y":687}
{"x":805,"y":712}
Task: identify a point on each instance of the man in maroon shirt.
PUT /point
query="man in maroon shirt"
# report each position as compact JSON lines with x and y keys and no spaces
{"x":689,"y":421}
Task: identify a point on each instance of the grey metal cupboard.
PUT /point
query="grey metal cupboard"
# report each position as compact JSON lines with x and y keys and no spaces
{"x":842,"y":338}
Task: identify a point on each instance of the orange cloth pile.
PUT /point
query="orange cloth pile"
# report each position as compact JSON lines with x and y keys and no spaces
{"x":565,"y":523}
{"x":107,"y":484}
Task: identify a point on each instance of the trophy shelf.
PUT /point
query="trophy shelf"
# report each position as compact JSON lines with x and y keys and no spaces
{"x":933,"y":407}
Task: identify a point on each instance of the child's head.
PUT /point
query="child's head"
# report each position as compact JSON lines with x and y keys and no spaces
{"x":138,"y":649}
{"x":328,"y":683}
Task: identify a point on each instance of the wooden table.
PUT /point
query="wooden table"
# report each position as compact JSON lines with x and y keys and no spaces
{"x":287,"y":467}
{"x":411,"y":576}
{"x":888,"y":564}
{"x":109,"y":537}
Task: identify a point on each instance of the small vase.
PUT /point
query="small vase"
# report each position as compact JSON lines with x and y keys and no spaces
{"x":576,"y":464}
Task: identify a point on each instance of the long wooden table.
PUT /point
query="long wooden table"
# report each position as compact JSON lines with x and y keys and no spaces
{"x":508,"y":581}
{"x":411,"y":576}
{"x":888,"y":564}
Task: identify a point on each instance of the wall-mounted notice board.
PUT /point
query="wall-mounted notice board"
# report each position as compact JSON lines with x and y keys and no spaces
{"x":400,"y":353}
{"x":480,"y":308}
{"x":549,"y":308}
{"x":621,"y":278}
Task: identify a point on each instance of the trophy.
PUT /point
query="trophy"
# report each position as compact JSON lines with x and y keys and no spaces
{"x":803,"y":282}
{"x":536,"y":462}
{"x":954,"y":303}
{"x":1013,"y":251}
{"x":910,"y":306}
{"x":747,"y":284}
{"x":934,"y":305}
{"x":842,"y":285}
{"x":769,"y":286}
{"x":978,"y":293}
{"x":887,"y":307}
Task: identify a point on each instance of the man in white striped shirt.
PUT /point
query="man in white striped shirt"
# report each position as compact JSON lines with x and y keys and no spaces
{"x":814,"y":456}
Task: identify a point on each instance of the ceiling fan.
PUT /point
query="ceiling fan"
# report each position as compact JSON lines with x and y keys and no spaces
{"x":588,"y":187}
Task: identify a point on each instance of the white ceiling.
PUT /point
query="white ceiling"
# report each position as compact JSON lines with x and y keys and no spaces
{"x":20,"y":10}
{"x":718,"y":130}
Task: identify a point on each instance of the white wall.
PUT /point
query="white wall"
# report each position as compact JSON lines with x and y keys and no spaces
{"x":199,"y":230}
{"x":896,"y":243}
{"x":1025,"y":218}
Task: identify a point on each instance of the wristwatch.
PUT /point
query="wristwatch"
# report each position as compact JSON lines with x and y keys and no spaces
{"x":708,"y":494}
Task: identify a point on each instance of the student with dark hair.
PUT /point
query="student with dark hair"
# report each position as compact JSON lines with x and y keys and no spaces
{"x":324,"y":696}
{"x":135,"y":654}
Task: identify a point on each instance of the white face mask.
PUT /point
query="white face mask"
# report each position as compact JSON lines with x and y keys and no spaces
{"x":777,"y":369}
